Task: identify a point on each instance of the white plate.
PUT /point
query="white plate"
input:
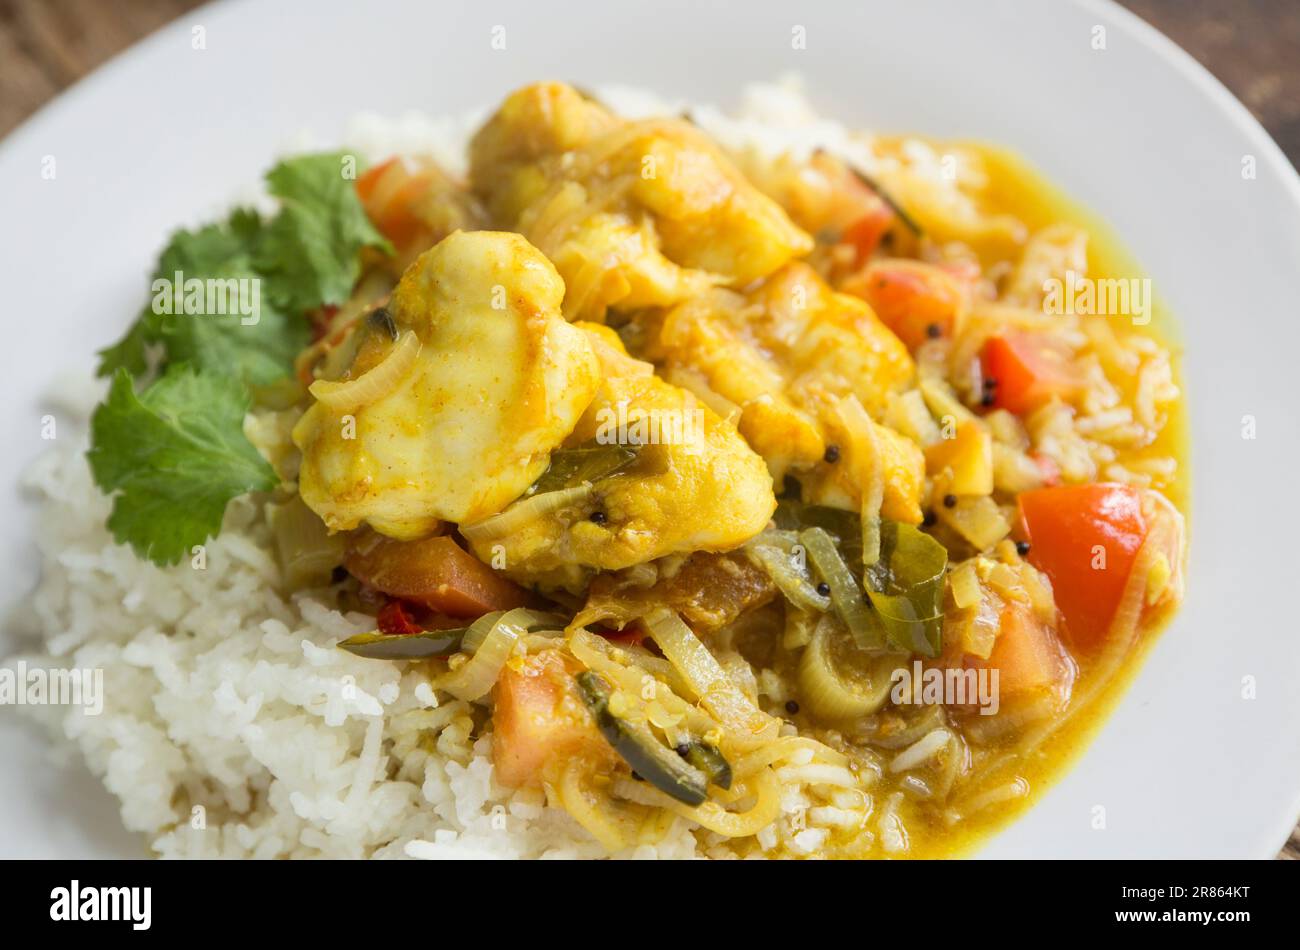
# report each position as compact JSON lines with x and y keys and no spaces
{"x":166,"y":134}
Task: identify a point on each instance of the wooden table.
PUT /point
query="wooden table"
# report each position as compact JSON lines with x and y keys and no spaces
{"x":1253,"y":46}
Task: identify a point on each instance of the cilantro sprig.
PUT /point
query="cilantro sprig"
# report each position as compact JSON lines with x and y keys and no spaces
{"x":175,"y":454}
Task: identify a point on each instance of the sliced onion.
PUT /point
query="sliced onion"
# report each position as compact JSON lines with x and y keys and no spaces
{"x":766,"y":808}
{"x":306,"y":551}
{"x":1170,"y":528}
{"x":1163,"y":537}
{"x":910,"y":416}
{"x":921,"y":751}
{"x":530,"y":621}
{"x":787,"y":747}
{"x":870,"y":473}
{"x":479,"y":630}
{"x":373,"y":384}
{"x":794,"y":584}
{"x":597,"y":653}
{"x":941,"y":401}
{"x":848,"y":598}
{"x":706,"y":678}
{"x":977,"y":519}
{"x":965,"y":585}
{"x":476,"y":678}
{"x":843,"y":683}
{"x":519,"y":515}
{"x":614,"y":827}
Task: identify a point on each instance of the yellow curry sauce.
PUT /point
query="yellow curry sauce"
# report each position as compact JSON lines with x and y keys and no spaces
{"x":1017,"y":188}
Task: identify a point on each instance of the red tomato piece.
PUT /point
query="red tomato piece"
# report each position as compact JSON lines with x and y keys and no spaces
{"x":394,"y":620}
{"x":538,"y":718}
{"x":436,"y":573}
{"x":1085,"y":538}
{"x":1027,"y":370}
{"x":916,"y":301}
{"x":866,"y":233}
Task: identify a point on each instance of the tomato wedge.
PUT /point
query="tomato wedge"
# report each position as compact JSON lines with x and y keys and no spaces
{"x":1085,"y":538}
{"x":368,"y":180}
{"x":866,"y":233}
{"x":434,"y":572}
{"x":403,"y":619}
{"x":538,"y":718}
{"x":633,"y":635}
{"x":1026,"y":654}
{"x":389,"y":192}
{"x":913,"y":299}
{"x":1024,"y":370}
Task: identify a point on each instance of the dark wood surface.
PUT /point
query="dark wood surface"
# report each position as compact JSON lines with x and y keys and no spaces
{"x":1253,"y":46}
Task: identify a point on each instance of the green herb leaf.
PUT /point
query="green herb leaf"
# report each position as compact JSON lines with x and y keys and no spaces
{"x":905,"y":584}
{"x":906,"y":587}
{"x":405,"y":646}
{"x":251,"y":340}
{"x":226,"y":314}
{"x":311,"y":251}
{"x":589,"y":462}
{"x":131,"y":352}
{"x":176,"y":455}
{"x":308,"y":255}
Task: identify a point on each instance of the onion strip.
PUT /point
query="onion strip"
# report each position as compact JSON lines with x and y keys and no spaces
{"x":596,"y":812}
{"x":870,"y":472}
{"x":782,"y":748}
{"x":834,"y":692}
{"x":520,"y":514}
{"x":763,"y":786}
{"x":476,"y":678}
{"x":705,"y":677}
{"x":794,"y":584}
{"x":848,"y":598}
{"x":596,"y":653}
{"x":375,"y":383}
{"x":530,"y":621}
{"x":306,"y":552}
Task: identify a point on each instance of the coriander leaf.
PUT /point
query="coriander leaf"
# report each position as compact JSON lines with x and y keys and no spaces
{"x":213,"y":270}
{"x":131,"y":352}
{"x":213,"y":248}
{"x":176,"y":455}
{"x":200,"y":253}
{"x":311,"y":251}
{"x":308,"y":255}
